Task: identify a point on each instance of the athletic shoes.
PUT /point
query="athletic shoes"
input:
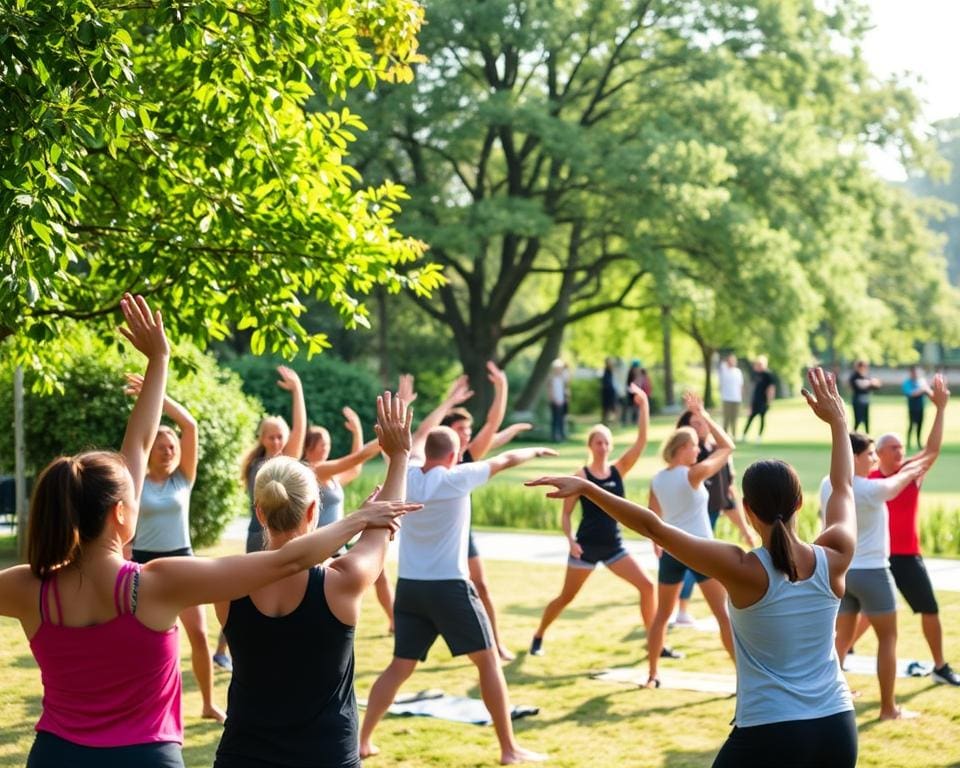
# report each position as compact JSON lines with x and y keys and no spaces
{"x":684,"y":619}
{"x":223,"y":661}
{"x":536,"y":646}
{"x":945,"y":675}
{"x":668,"y":653}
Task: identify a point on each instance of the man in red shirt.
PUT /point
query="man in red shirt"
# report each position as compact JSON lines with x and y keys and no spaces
{"x":906,"y":562}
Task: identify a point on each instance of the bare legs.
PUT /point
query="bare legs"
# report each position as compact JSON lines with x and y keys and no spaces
{"x":885,"y":627}
{"x":195,"y":624}
{"x":572,"y":582}
{"x":493,"y":690}
{"x":933,"y":632}
{"x":385,"y":597}
{"x":479,"y":579}
{"x":630,"y":571}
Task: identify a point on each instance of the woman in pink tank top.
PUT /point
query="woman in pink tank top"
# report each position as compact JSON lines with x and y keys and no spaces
{"x":103,"y":630}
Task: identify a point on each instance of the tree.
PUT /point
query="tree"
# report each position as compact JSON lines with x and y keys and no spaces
{"x":648,"y":155}
{"x":181,"y":150}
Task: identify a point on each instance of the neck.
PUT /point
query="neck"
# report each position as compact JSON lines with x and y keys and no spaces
{"x":277,"y":539}
{"x":431,"y":463}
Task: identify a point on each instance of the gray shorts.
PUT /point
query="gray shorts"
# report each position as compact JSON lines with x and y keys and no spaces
{"x":449,"y":608}
{"x":869,"y":590}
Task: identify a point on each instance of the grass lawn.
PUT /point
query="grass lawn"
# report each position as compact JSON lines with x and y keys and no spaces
{"x":581,"y":722}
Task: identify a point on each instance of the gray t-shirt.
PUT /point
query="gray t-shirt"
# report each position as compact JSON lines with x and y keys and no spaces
{"x":164,"y":521}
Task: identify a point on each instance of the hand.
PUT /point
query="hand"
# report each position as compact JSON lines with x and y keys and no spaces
{"x":144,"y":328}
{"x":566,"y":485}
{"x":459,"y":392}
{"x":496,"y":375}
{"x":134,"y":384}
{"x":393,"y":425}
{"x":822,"y":397}
{"x":542,"y":452}
{"x":385,"y":514}
{"x":940,"y":394}
{"x":639,"y":396}
{"x":405,"y":389}
{"x":693,"y":403}
{"x":575,"y":549}
{"x":352,"y":421}
{"x":289,"y":380}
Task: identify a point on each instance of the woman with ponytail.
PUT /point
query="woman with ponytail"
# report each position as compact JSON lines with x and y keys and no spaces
{"x":792,"y":699}
{"x":292,"y":708}
{"x":104,"y":630}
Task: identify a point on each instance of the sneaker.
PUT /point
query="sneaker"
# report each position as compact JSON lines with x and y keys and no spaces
{"x":684,"y":619}
{"x":945,"y":675}
{"x":668,"y":653}
{"x":536,"y":646}
{"x":223,"y":661}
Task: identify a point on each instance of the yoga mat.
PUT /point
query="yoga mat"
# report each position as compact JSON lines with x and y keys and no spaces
{"x":457,"y":709}
{"x":857,"y":664}
{"x":702,"y":682}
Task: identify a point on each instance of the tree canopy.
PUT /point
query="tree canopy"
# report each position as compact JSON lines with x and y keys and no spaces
{"x":188,"y":150}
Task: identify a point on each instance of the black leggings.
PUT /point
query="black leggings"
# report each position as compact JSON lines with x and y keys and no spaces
{"x":753,"y":413}
{"x":51,"y":751}
{"x":826,"y":742}
{"x":915,"y":422}
{"x":861,"y":415}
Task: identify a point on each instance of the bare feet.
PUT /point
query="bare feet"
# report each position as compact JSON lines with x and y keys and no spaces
{"x":520,"y":755}
{"x":900,"y":713}
{"x":506,"y":655}
{"x":213,"y":712}
{"x":652,"y":682}
{"x":368,"y":750}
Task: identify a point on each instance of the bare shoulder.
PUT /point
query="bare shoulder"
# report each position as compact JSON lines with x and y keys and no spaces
{"x":19,"y":591}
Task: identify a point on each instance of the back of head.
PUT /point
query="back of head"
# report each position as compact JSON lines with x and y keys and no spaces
{"x":681,"y":437}
{"x":772,"y":491}
{"x":283,"y":491}
{"x":440,"y":443}
{"x":69,"y":507}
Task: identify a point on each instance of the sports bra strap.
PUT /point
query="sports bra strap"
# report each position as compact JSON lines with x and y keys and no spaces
{"x":49,"y":584}
{"x":125,"y":597}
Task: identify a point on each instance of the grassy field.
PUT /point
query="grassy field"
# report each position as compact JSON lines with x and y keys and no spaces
{"x":581,"y":722}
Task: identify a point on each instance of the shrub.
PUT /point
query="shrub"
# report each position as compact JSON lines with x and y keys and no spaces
{"x":328,"y":385}
{"x":92,"y":410}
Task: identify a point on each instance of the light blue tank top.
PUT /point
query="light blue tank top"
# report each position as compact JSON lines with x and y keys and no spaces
{"x":787,"y":667}
{"x":163,"y":524}
{"x":331,"y":503}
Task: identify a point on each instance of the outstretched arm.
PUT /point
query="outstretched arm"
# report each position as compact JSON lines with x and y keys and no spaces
{"x":347,"y":468}
{"x":507,"y":434}
{"x":516,"y":457}
{"x":145,"y":331}
{"x":290,"y":381}
{"x":482,"y":442}
{"x":630,"y":456}
{"x":179,"y":415}
{"x":890,"y":487}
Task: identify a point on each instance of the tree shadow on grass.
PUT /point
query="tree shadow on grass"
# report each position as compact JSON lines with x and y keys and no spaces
{"x":681,"y":758}
{"x":572,"y":611}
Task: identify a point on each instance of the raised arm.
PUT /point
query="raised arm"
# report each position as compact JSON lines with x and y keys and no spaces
{"x":939,"y":396}
{"x":145,"y":331}
{"x":290,"y":381}
{"x":839,"y":535}
{"x":507,"y":434}
{"x":353,"y":573}
{"x":890,"y":487}
{"x":515,"y":457}
{"x":179,"y":415}
{"x":630,"y":456}
{"x":482,"y":442}
{"x":347,"y":468}
{"x":459,"y":392}
{"x":724,"y":444}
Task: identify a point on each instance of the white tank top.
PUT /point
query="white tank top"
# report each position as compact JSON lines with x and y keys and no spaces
{"x":682,"y":506}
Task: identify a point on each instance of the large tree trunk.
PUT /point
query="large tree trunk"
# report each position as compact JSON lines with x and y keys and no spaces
{"x":538,"y":376}
{"x":474,"y":354}
{"x":706,"y":352}
{"x":666,"y":325}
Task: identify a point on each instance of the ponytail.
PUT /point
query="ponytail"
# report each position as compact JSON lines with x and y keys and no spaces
{"x":71,"y":499}
{"x":283,"y":490}
{"x":780,"y":551}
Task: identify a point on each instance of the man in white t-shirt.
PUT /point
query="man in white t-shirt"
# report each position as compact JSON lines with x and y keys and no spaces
{"x":434,"y":593}
{"x":870,"y":587}
{"x":731,"y":392}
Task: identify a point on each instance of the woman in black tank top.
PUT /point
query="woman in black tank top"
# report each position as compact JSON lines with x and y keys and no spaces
{"x":598,"y":536}
{"x":291,"y":701}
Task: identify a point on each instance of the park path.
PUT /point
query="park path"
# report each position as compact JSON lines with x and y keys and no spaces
{"x":551,"y":549}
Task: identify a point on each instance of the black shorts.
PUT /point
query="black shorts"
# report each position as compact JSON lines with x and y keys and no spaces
{"x":592,"y":554}
{"x":910,"y":575}
{"x":672,"y":571}
{"x":51,"y":751}
{"x":144,"y":556}
{"x":472,"y":550}
{"x":826,"y":742}
{"x":449,"y":608}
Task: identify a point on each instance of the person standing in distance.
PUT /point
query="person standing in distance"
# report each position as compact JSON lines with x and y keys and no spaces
{"x":731,"y":392}
{"x":764,"y":390}
{"x":916,"y":390}
{"x":861,"y":385}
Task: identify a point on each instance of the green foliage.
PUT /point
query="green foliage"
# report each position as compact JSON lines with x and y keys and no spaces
{"x":328,"y":385}
{"x":187,"y":151}
{"x":513,"y":506}
{"x":91,"y":412}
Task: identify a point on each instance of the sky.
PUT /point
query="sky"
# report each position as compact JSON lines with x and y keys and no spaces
{"x":919,"y":37}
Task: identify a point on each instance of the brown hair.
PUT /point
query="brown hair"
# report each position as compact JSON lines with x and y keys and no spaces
{"x":772,"y":491}
{"x":258,"y":451}
{"x":681,"y":436}
{"x":455,"y":415}
{"x":441,"y":442}
{"x":860,"y":442}
{"x":313,"y":436}
{"x":69,"y":507}
{"x":282,"y":491}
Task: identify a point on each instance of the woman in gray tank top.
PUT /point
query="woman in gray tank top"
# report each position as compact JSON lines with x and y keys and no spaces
{"x":792,"y":698}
